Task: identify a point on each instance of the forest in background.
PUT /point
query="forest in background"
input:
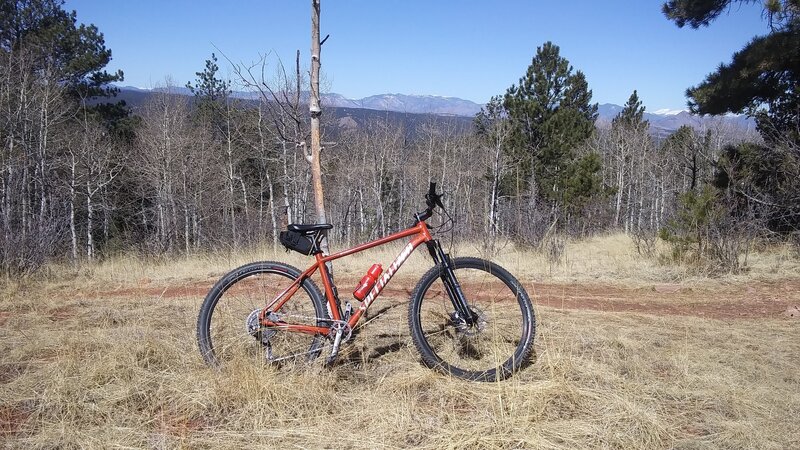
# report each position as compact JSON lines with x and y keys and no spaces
{"x":83,"y":177}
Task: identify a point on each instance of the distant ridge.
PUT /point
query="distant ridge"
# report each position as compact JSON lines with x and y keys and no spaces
{"x":665,"y":122}
{"x":414,"y":104}
{"x":662,"y":122}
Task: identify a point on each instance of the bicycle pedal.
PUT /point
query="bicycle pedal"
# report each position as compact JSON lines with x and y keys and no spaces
{"x":268,"y":352}
{"x":337,"y":340}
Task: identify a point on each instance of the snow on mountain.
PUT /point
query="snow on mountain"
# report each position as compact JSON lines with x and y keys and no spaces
{"x":132,"y":88}
{"x":665,"y":121}
{"x":668,"y":112}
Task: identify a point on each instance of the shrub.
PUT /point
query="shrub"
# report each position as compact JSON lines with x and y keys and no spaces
{"x":705,"y":234}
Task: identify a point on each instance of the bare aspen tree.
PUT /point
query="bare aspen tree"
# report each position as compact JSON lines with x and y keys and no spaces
{"x":494,"y":131}
{"x":180,"y":174}
{"x":33,"y":113}
{"x":98,"y":163}
{"x":283,"y":131}
{"x":265,"y":178}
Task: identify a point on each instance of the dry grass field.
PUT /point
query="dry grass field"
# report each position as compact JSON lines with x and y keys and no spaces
{"x":629,"y":353}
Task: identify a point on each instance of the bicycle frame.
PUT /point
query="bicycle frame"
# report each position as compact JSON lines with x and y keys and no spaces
{"x":421,"y":234}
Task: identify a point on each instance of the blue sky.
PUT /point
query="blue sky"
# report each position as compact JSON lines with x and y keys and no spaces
{"x":469,"y":49}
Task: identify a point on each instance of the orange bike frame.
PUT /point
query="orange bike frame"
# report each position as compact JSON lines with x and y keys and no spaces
{"x":421,"y":235}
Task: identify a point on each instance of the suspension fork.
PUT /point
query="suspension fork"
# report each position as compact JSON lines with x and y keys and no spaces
{"x":448,"y":276}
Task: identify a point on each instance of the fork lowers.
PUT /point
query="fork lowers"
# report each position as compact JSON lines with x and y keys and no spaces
{"x":448,"y":277}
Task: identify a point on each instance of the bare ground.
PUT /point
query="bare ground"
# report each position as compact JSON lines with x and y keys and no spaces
{"x":713,"y":300}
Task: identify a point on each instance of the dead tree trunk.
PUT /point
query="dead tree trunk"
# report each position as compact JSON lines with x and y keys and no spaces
{"x":316,"y":112}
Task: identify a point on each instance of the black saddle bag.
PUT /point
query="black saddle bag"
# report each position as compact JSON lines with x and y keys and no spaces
{"x":293,"y":240}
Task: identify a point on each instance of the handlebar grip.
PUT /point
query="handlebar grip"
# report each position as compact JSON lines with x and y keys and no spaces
{"x":432,"y":190}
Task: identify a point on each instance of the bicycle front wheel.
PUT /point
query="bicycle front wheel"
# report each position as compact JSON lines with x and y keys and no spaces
{"x":497,"y":344}
{"x":228,"y":327}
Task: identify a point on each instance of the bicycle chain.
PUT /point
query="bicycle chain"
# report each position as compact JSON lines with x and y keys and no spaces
{"x":332,"y":329}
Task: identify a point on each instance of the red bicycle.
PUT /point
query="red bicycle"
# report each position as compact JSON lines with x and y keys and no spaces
{"x":468,"y":317}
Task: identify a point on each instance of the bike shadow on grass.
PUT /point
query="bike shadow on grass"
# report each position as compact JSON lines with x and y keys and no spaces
{"x":362,"y":356}
{"x":365,"y":357}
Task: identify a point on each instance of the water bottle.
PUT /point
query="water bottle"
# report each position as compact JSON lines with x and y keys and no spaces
{"x":368,"y":281}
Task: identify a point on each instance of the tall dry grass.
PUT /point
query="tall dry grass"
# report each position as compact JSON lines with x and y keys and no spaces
{"x":84,"y":365}
{"x":607,"y":258}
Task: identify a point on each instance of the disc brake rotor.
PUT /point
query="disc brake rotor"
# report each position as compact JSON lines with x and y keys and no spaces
{"x":463,"y":329}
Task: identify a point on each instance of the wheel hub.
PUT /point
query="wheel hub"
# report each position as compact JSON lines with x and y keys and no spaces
{"x":466,"y":330}
{"x":254,"y":328}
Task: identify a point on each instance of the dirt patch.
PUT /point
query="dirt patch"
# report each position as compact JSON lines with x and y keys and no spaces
{"x":198,"y":289}
{"x":4,"y":315}
{"x":751,"y":300}
{"x":11,"y":420}
{"x":61,"y":313}
{"x":668,"y":288}
{"x":757,"y":299}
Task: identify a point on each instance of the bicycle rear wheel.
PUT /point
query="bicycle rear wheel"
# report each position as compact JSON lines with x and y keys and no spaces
{"x":499,"y":343}
{"x":228,"y":328}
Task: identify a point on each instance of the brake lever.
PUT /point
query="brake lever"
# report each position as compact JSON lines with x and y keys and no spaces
{"x":437,"y":199}
{"x":432,"y":198}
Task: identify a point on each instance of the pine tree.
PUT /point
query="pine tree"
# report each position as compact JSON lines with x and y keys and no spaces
{"x":76,"y":52}
{"x":210,"y":92}
{"x":73,"y":54}
{"x":552,"y":114}
{"x":632,"y":115}
{"x":762,"y":79}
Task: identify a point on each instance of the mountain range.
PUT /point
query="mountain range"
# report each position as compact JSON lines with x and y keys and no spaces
{"x":665,"y":122}
{"x":414,"y":104}
{"x":662,"y":122}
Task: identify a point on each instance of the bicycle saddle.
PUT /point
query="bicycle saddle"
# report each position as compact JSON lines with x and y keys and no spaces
{"x":308,"y":228}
